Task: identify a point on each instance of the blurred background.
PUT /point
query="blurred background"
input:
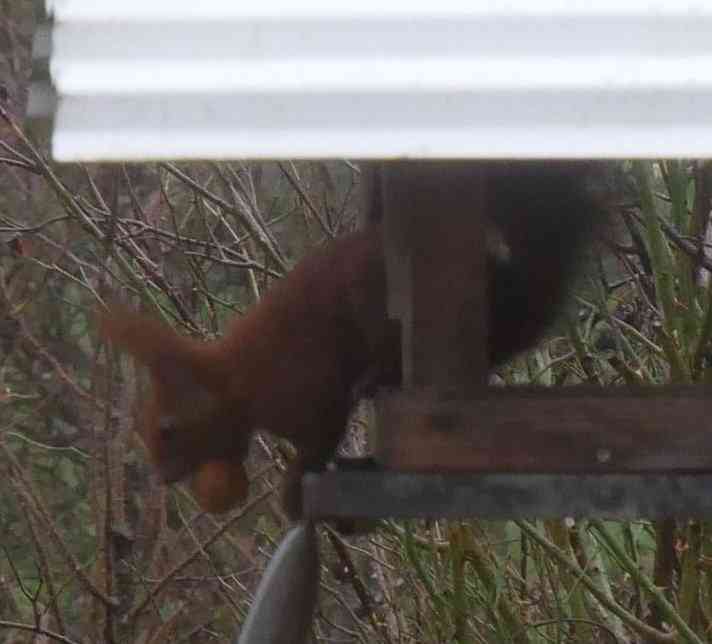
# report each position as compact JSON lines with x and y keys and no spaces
{"x":94,"y":549}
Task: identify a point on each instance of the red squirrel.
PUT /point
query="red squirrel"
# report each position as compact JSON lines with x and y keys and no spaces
{"x":290,"y":364}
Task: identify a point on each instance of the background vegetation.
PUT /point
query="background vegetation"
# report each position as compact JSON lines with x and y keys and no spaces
{"x":94,"y":549}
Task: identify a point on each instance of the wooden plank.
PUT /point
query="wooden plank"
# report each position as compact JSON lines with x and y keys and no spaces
{"x":434,"y":234}
{"x":384,"y":494}
{"x":537,"y":429}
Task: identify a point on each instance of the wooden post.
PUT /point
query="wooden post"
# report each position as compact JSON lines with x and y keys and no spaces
{"x":434,"y":232}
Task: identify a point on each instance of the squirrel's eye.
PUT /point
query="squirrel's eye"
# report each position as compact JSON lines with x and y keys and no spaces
{"x":166,"y":427}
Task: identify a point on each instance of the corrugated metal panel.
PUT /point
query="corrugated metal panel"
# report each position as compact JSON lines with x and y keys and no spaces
{"x":434,"y":79}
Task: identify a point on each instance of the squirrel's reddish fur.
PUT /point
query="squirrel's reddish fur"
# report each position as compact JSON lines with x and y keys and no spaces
{"x":287,"y":366}
{"x":290,"y":364}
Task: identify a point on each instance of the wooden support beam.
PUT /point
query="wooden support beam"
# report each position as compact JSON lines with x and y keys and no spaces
{"x":434,"y":233}
{"x":564,"y":429}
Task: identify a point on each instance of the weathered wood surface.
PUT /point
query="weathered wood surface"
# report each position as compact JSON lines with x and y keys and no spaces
{"x":436,"y":264}
{"x":537,"y":429}
{"x":383,"y":494}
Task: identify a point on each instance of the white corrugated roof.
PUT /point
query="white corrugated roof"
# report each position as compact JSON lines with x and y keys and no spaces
{"x":308,"y":78}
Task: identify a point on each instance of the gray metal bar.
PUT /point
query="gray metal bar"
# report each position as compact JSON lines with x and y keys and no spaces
{"x":282,"y":610}
{"x":383,"y":494}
